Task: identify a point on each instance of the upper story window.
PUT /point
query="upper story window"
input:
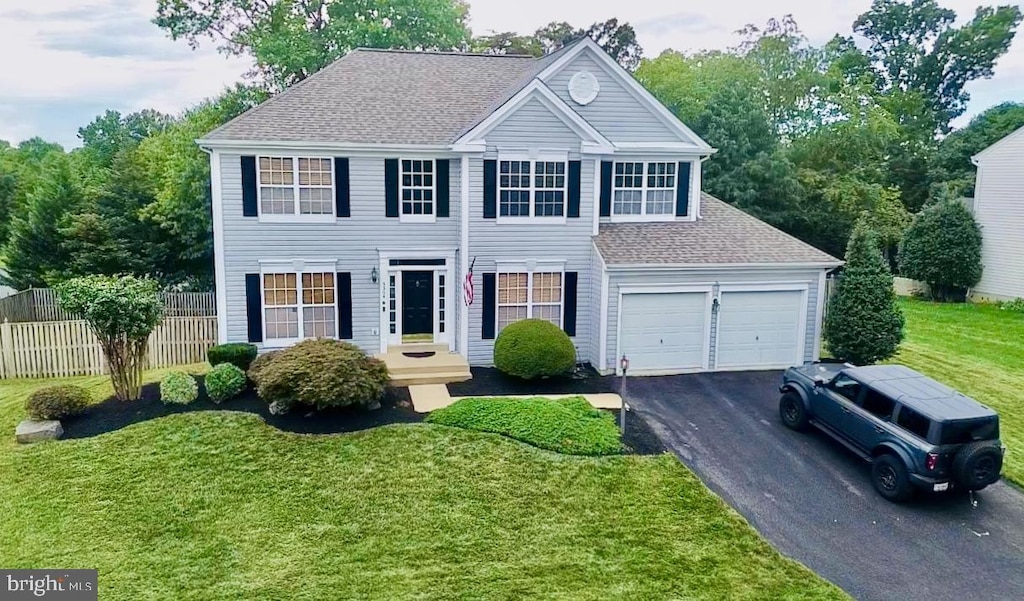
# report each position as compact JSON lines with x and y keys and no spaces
{"x":644,"y":188}
{"x":418,"y":189}
{"x":296,"y":186}
{"x":532,"y":188}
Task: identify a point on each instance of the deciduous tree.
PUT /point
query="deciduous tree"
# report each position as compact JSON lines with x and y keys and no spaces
{"x":942,"y":248}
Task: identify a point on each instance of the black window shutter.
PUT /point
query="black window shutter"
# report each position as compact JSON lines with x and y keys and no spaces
{"x":489,"y":308}
{"x":683,"y":190}
{"x":569,"y":312}
{"x":344,"y":285}
{"x":249,"y":187}
{"x":606,"y":188}
{"x":341,"y":188}
{"x":254,"y":307}
{"x":391,"y":187}
{"x":491,"y":191}
{"x":443,"y":185}
{"x":574,"y":189}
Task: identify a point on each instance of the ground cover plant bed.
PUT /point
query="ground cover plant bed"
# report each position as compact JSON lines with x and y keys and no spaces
{"x":112,"y":414}
{"x":570,"y":425}
{"x":219,"y":505}
{"x":488,"y":381}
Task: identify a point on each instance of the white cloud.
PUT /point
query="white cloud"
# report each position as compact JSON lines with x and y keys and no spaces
{"x":77,"y":57}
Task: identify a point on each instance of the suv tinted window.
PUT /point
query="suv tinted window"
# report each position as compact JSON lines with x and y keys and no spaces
{"x":845,"y":386}
{"x":879,"y":404}
{"x":962,"y":432}
{"x":913,"y":422}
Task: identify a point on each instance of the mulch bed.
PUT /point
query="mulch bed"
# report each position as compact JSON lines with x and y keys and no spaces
{"x":488,"y":381}
{"x":639,"y":438}
{"x":112,"y":414}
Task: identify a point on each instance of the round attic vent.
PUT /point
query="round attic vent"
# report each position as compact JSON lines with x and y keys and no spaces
{"x":583,"y":87}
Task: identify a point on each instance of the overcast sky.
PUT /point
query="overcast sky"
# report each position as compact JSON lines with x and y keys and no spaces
{"x":65,"y":61}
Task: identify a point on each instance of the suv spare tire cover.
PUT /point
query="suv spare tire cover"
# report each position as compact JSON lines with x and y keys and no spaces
{"x":969,"y":456}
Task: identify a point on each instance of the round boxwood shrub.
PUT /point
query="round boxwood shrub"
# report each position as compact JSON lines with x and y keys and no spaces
{"x":239,"y":354}
{"x":57,"y":402}
{"x":534,"y":348}
{"x":320,"y":373}
{"x":225,"y":381}
{"x":178,"y":388}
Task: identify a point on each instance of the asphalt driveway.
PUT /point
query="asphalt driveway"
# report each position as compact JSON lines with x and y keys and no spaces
{"x":814,"y":501}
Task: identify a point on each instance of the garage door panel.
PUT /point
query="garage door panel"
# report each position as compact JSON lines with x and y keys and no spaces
{"x":759,"y":329}
{"x":664,"y":331}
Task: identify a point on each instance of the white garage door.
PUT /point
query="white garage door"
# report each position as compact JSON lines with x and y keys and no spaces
{"x":664,"y":331}
{"x":759,"y":329}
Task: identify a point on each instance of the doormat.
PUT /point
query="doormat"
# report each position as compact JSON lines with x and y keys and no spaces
{"x":423,"y":355}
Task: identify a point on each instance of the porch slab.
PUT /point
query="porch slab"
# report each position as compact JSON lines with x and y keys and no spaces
{"x":414,"y":364}
{"x":427,"y":397}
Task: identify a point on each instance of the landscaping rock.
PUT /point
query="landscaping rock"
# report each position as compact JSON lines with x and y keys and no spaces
{"x":31,"y":430}
{"x":373,"y":405}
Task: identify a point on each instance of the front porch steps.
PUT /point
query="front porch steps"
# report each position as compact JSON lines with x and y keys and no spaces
{"x":442,"y":367}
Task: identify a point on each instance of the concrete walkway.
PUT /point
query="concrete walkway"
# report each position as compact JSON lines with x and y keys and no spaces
{"x":428,"y":397}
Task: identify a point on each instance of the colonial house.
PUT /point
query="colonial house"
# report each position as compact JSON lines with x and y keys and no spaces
{"x":402,"y":198}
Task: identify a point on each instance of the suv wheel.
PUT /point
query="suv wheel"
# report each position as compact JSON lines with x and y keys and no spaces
{"x":889,"y":476}
{"x":792,"y":411}
{"x":977,"y":465}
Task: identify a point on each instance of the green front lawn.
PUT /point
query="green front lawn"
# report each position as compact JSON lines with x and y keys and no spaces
{"x":219,"y":505}
{"x":979,"y":350}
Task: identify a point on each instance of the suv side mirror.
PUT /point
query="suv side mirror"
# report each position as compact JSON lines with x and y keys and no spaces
{"x":819,"y":381}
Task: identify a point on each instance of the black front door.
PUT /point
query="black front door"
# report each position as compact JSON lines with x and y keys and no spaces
{"x":417,"y":302}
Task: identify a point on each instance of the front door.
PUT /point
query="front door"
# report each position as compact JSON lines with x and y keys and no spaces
{"x":418,"y":303}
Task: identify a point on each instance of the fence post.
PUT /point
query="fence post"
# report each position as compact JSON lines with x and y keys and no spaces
{"x":6,"y":350}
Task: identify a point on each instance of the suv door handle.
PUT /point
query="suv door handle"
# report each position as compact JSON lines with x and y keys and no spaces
{"x":880,"y":430}
{"x":846,"y":411}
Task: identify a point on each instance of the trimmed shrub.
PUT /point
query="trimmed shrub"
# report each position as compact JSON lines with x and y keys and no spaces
{"x":224,"y":381}
{"x":570,"y":426}
{"x":1016,"y":305}
{"x":319,"y":373}
{"x":57,"y":402}
{"x":942,"y":248}
{"x":178,"y":388}
{"x":259,"y":363}
{"x":534,"y":348}
{"x":864,"y":323}
{"x":239,"y":354}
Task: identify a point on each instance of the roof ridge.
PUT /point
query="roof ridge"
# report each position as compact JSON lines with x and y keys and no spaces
{"x":444,"y":53}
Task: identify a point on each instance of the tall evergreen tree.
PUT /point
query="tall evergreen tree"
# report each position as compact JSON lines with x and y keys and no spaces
{"x":864,"y":324}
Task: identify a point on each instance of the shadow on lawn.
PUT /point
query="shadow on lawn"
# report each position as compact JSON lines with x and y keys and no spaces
{"x":113,"y":414}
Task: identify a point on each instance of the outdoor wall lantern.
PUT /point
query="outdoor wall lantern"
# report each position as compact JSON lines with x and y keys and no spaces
{"x":374,"y":275}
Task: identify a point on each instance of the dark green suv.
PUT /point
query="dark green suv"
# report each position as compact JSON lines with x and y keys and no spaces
{"x":915,"y":432}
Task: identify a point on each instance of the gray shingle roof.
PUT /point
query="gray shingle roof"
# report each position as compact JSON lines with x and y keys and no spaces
{"x":387,"y":97}
{"x":723,"y":235}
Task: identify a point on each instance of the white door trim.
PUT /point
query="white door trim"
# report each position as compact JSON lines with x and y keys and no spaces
{"x":386,"y":270}
{"x":706,"y":289}
{"x":802,"y":287}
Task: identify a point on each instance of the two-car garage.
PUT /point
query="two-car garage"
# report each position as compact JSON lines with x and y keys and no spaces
{"x":712,"y":327}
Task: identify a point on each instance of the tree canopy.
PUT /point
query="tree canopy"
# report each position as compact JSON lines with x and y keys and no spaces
{"x":617,"y":39}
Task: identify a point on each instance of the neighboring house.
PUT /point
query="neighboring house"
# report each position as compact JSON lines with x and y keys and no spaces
{"x":354,"y":203}
{"x":999,"y":210}
{"x":5,"y":291}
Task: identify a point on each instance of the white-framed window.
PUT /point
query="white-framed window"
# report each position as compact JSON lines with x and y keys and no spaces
{"x":418,"y":189}
{"x":296,"y":186}
{"x":524,"y":295}
{"x":299,"y":305}
{"x":642,"y":188}
{"x":532,"y":188}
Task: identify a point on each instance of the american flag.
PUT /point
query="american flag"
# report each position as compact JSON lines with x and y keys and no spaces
{"x":467,"y":286}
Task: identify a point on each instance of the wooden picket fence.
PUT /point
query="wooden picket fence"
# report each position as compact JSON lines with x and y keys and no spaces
{"x":52,"y":349}
{"x":40,"y":304}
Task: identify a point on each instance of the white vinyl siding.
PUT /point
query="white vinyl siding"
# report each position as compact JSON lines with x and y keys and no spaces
{"x":999,"y":210}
